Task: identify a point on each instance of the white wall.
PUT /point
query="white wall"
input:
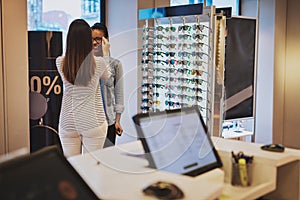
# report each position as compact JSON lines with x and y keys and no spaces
{"x":265,"y":73}
{"x":122,"y":27}
{"x":264,"y":10}
{"x":249,"y":8}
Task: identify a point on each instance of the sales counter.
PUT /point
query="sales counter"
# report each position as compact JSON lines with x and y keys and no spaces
{"x":123,"y":173}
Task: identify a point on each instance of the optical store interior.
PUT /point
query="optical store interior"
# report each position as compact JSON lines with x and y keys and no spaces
{"x":210,"y":101}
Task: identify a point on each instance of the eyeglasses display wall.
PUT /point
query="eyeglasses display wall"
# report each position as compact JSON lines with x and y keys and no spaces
{"x":177,"y":63}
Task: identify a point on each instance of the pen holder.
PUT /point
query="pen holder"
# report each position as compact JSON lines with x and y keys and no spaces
{"x":241,"y":173}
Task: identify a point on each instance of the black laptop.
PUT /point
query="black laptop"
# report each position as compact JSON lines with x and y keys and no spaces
{"x":45,"y":174}
{"x":177,"y":141}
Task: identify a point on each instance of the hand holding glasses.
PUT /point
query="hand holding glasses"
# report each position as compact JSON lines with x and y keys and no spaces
{"x":105,"y":46}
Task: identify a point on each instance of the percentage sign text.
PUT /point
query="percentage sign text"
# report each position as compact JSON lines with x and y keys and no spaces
{"x":36,"y":84}
{"x":52,"y":85}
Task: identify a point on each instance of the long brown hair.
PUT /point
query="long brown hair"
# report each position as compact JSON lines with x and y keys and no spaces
{"x":79,"y":63}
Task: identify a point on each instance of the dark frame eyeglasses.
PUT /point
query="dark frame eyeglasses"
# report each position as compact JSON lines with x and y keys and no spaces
{"x":97,"y":39}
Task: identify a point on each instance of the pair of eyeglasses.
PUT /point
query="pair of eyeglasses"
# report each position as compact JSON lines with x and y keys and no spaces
{"x":146,"y":53}
{"x":187,"y":71}
{"x":156,"y":94}
{"x":163,"y":70}
{"x":172,"y":79}
{"x":184,"y":28}
{"x":160,"y":78}
{"x":145,"y":68}
{"x":160,"y":70}
{"x":172,"y":54}
{"x":161,"y":36}
{"x":150,"y":85}
{"x":184,"y":36}
{"x":171,"y":45}
{"x":200,"y":81}
{"x":160,"y":45}
{"x":145,"y":108}
{"x":170,"y":95}
{"x":147,"y":29}
{"x":190,"y":98}
{"x":184,"y":62}
{"x":200,"y":54}
{"x":184,"y":54}
{"x":171,"y":61}
{"x":147,"y":77}
{"x":192,"y":89}
{"x":187,"y":80}
{"x":146,"y":92}
{"x":200,"y":45}
{"x":174,"y":87}
{"x":170,"y":28}
{"x":147,"y":37}
{"x":157,"y":85}
{"x":147,"y":101}
{"x":184,"y":45}
{"x":167,"y":29}
{"x":199,"y":62}
{"x":172,"y":103}
{"x":97,"y":39}
{"x":147,"y":85}
{"x":200,"y":27}
{"x":147,"y":96}
{"x":159,"y":28}
{"x":146,"y":61}
{"x":160,"y":62}
{"x":160,"y":53}
{"x":200,"y":72}
{"x":168,"y":61}
{"x":147,"y":45}
{"x":198,"y":36}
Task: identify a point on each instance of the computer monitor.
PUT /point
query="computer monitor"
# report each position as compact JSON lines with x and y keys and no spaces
{"x":177,"y":141}
{"x":45,"y":174}
{"x":240,"y":54}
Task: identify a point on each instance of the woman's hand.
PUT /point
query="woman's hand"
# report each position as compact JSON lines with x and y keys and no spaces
{"x":119,"y":129}
{"x":105,"y":46}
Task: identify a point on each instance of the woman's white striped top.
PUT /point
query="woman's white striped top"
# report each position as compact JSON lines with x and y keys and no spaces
{"x":82,"y":107}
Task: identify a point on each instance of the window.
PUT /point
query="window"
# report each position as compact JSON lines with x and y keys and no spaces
{"x":56,"y":15}
{"x":218,"y":3}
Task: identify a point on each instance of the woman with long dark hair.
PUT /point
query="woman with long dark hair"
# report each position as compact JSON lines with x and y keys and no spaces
{"x":82,"y":122}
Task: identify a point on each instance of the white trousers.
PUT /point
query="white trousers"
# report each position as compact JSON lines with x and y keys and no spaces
{"x":74,"y":143}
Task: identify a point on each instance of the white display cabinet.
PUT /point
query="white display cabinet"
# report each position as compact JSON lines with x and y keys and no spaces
{"x":178,"y":54}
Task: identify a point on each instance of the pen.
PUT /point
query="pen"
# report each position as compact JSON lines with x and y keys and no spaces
{"x":243,"y":171}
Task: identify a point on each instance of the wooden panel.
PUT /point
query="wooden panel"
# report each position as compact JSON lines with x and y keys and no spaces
{"x":279,"y":70}
{"x":15,"y":63}
{"x":2,"y":127}
{"x":291,"y":135}
{"x":142,"y":4}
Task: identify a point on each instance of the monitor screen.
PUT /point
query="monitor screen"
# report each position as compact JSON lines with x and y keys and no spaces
{"x":177,"y":141}
{"x":240,"y":56}
{"x":45,"y":174}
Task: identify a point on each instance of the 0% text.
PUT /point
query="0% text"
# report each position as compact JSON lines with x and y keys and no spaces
{"x":37,"y":83}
